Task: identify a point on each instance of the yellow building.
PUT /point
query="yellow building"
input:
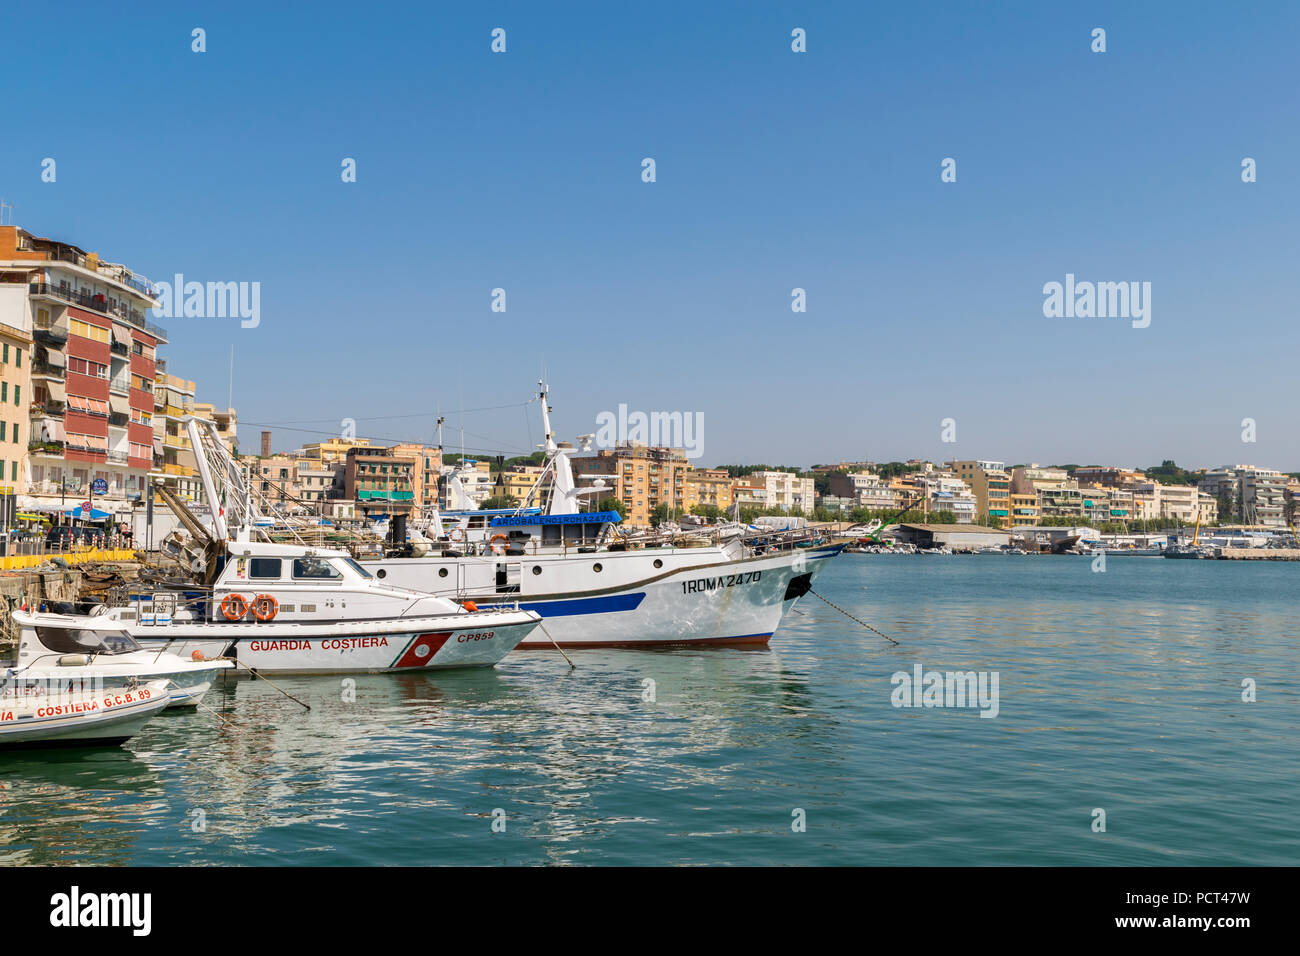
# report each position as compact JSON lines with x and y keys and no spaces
{"x":1024,"y":510}
{"x":708,"y":486}
{"x":333,"y":450}
{"x":991,"y":484}
{"x":517,"y":481}
{"x":650,"y":477}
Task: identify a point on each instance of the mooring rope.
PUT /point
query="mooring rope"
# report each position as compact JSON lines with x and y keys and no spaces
{"x":852,"y":618}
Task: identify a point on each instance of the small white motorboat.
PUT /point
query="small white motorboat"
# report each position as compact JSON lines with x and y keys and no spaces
{"x":32,"y":716}
{"x":93,"y":652}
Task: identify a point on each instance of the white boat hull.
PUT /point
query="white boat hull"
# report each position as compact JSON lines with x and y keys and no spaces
{"x":737,"y":604}
{"x":76,"y":720}
{"x":350,"y":647}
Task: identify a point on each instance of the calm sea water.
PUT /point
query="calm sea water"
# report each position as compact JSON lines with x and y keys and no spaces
{"x":1119,"y":691}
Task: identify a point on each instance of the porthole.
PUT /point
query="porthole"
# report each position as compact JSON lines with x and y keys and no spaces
{"x":537,"y":569}
{"x":442,"y":572}
{"x":381,"y":573}
{"x":596,"y":567}
{"x":659,"y":562}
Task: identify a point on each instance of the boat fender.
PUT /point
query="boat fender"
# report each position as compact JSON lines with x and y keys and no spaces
{"x":469,"y":605}
{"x":197,"y":655}
{"x":74,"y":660}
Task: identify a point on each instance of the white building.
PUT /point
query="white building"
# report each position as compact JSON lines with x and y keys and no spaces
{"x":786,"y":490}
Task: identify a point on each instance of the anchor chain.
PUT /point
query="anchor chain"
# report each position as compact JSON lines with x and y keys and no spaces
{"x":852,"y":617}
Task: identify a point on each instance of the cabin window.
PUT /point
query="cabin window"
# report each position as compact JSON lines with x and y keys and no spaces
{"x":70,"y":640}
{"x":264,"y":568}
{"x":359,"y":569}
{"x":442,"y":572}
{"x":314,"y":568}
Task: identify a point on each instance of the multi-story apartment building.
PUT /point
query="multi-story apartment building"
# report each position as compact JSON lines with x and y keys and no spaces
{"x":276,"y":479}
{"x":15,"y":381}
{"x":174,"y":463}
{"x":314,"y":482}
{"x":650,"y":477}
{"x":333,"y":451}
{"x":1102,"y":504}
{"x":225,"y":419}
{"x":991,"y":484}
{"x":1063,"y":501}
{"x":1109,"y":476}
{"x":709,"y":487}
{"x":379,"y":482}
{"x":426,"y":469}
{"x":1024,"y":510}
{"x":517,"y":482}
{"x":787,"y":491}
{"x":1258,"y":494}
{"x":750,"y":494}
{"x":1028,"y":479}
{"x":1208,"y":507}
{"x":1154,"y":500}
{"x":947,"y":492}
{"x":865,"y":489}
{"x":90,"y":401}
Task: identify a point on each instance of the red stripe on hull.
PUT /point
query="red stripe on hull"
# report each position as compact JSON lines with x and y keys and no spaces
{"x":422,"y":651}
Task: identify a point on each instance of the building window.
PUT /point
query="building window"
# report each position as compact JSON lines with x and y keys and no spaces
{"x":18,"y":357}
{"x":6,"y":352}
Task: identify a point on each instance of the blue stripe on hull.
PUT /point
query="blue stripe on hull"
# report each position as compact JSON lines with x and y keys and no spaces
{"x":594,"y":605}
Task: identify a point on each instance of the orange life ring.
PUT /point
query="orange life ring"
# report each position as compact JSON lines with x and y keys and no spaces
{"x":234,"y":607}
{"x":492,"y":544}
{"x":452,"y":535}
{"x":265,"y":607}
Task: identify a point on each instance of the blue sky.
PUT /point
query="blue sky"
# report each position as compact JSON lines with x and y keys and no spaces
{"x":775,"y":170}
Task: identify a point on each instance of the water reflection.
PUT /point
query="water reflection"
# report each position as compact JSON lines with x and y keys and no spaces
{"x":1102,"y":685}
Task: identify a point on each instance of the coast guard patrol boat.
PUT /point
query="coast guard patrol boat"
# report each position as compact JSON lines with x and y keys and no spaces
{"x":293,"y":608}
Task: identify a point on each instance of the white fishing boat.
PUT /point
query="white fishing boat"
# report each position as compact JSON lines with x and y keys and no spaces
{"x":73,"y":650}
{"x":34,"y":717}
{"x":594,"y":588}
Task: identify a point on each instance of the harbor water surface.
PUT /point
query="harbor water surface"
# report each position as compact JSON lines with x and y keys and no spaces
{"x":1119,"y":691}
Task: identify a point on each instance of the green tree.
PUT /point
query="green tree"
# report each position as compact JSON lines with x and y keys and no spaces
{"x":706,"y":511}
{"x":612,"y":504}
{"x":499,"y":501}
{"x":659,"y":515}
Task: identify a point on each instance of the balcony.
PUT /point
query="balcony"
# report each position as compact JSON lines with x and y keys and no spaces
{"x":54,"y":448}
{"x":121,"y":385}
{"x":98,"y":303}
{"x":117,"y":457}
{"x":46,"y":370}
